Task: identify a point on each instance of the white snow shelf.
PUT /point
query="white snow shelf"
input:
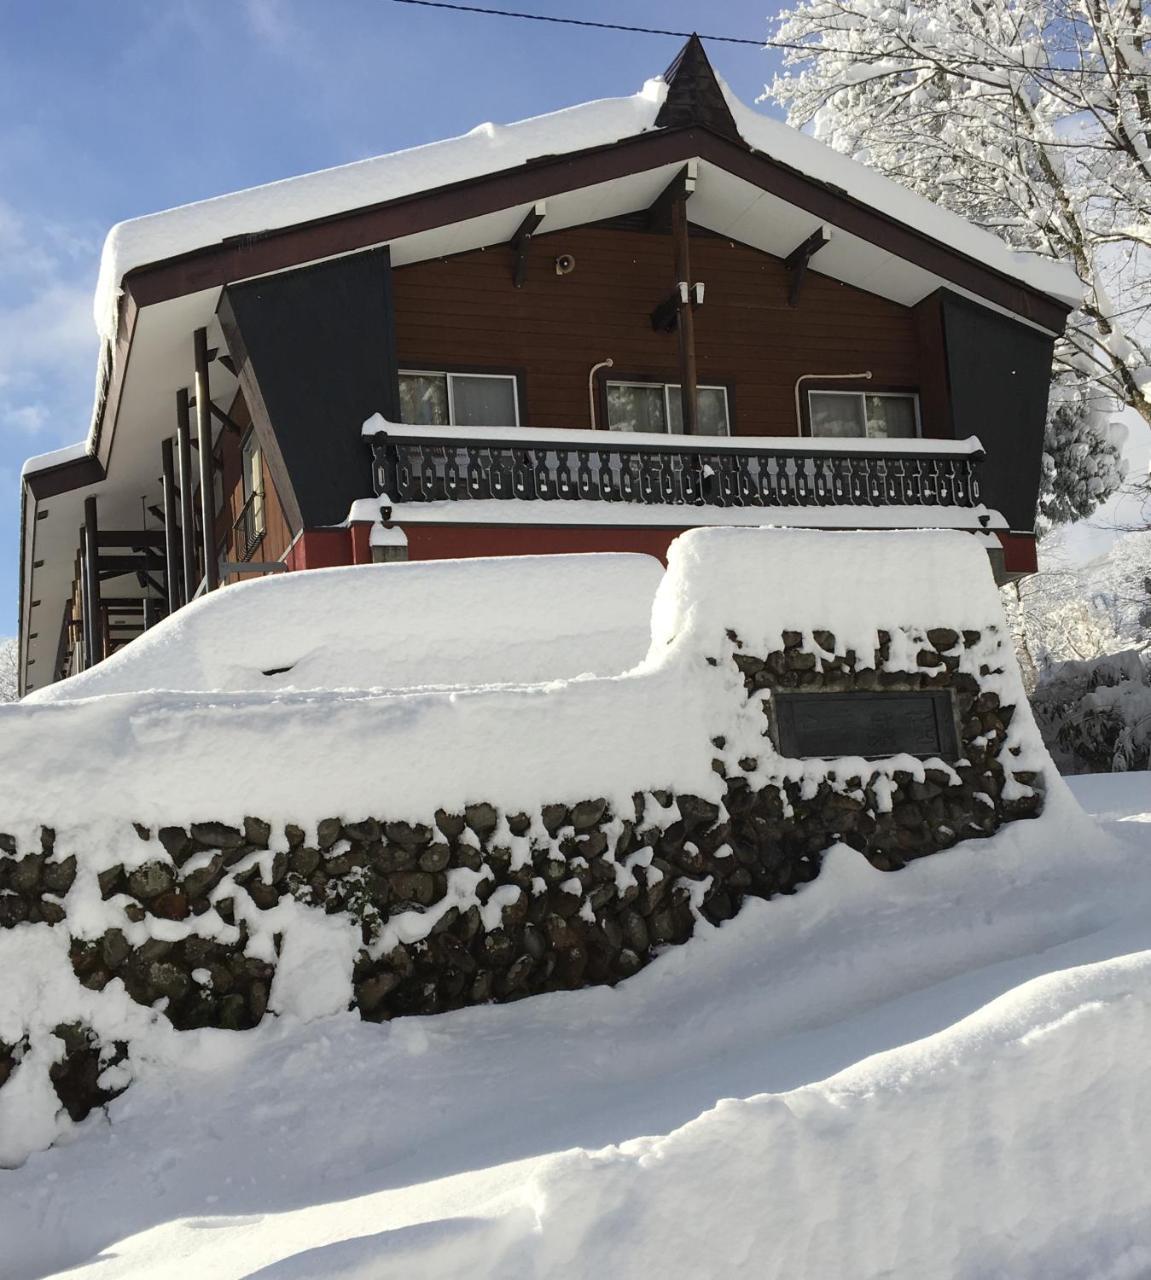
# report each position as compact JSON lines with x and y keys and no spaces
{"x":617,"y":515}
{"x":647,"y":439}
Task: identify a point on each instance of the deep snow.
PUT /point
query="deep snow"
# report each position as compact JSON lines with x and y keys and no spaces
{"x":936,"y":1073}
{"x":518,"y":619}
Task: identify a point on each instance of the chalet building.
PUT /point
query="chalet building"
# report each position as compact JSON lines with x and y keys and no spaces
{"x":587,"y":331}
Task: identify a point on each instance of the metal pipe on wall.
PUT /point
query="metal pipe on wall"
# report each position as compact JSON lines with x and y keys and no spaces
{"x":591,"y":396}
{"x":822,"y":377}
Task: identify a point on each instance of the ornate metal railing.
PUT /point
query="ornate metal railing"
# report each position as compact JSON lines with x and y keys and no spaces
{"x":427,"y":465}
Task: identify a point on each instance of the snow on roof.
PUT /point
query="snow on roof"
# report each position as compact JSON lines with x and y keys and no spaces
{"x":57,"y":458}
{"x":867,"y":185}
{"x":490,"y":148}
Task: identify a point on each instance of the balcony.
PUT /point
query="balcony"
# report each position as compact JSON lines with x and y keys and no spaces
{"x":446,"y":465}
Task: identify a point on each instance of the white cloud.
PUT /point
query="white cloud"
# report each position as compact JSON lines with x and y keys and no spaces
{"x":48,"y":343}
{"x":28,"y":418}
{"x":271,"y":21}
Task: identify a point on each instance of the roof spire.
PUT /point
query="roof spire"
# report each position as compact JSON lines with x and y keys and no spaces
{"x":694,"y":96}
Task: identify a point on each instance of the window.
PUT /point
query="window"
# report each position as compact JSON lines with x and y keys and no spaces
{"x":874,"y":415}
{"x":252,"y":478}
{"x":458,"y":399}
{"x":658,"y":406}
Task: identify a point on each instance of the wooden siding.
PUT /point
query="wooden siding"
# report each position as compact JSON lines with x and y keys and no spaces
{"x":465,"y":311}
{"x":278,"y":532}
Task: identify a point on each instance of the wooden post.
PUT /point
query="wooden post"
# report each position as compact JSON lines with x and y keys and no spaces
{"x":150,"y":618}
{"x":171,"y":531}
{"x":85,"y":639}
{"x":685,"y":328}
{"x":204,"y":441}
{"x":93,"y":612}
{"x":187,"y":518}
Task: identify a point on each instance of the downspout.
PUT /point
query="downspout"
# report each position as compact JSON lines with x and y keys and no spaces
{"x":603,"y":364}
{"x":822,"y":377}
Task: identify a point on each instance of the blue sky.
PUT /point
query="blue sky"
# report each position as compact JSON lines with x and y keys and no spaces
{"x":112,"y":110}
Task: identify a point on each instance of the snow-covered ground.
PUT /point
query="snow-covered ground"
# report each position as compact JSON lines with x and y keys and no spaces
{"x":936,"y":1073}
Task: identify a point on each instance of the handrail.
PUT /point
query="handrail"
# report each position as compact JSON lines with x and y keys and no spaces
{"x":252,"y":535}
{"x":423,"y":465}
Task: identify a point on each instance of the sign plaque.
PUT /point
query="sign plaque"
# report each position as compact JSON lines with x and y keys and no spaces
{"x":912,"y":722}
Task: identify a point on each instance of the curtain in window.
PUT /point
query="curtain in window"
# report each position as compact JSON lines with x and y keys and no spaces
{"x":424,"y":399}
{"x":890,"y":417}
{"x":483,"y":402}
{"x":712,"y":409}
{"x":635,"y":407}
{"x":835,"y":414}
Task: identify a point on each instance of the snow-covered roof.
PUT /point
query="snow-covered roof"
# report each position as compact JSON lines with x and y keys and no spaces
{"x":56,"y":458}
{"x":491,"y":148}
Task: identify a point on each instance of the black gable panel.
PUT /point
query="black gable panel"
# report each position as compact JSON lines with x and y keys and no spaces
{"x":316,"y":353}
{"x":999,"y":373}
{"x":694,"y":96}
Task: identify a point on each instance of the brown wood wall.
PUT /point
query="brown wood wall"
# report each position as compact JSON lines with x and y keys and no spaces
{"x":278,"y":533}
{"x":465,"y":311}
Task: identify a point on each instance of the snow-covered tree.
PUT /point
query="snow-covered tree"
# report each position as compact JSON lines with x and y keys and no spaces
{"x":1083,"y":460}
{"x":1031,"y":118}
{"x":8,"y":680}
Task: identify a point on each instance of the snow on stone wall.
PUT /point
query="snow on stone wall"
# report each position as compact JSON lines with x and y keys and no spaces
{"x":209,"y":857}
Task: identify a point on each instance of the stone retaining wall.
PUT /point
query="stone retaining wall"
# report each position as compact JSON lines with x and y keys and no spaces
{"x":456,"y":909}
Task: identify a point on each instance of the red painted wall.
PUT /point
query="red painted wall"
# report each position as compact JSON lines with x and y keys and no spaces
{"x":455,"y":541}
{"x":325,"y":548}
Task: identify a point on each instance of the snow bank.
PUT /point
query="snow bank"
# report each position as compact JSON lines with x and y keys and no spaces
{"x":516,"y":619}
{"x":852,"y":585}
{"x":968,"y":1019}
{"x":162,"y":757}
{"x":942,"y":1158}
{"x":357,"y":772}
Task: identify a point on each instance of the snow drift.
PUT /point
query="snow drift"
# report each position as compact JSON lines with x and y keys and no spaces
{"x":907,"y":1059}
{"x":439,"y":622}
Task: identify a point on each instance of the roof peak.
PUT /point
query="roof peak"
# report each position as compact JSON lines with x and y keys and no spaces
{"x":694,"y":94}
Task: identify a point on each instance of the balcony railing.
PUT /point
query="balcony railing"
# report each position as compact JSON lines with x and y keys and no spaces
{"x":444,"y":464}
{"x":248,"y":527}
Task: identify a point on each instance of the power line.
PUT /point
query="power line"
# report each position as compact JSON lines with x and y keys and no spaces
{"x":575,"y":22}
{"x":811,"y":50}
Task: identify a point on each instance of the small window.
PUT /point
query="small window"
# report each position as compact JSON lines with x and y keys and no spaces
{"x":458,"y":399}
{"x":871,"y":415}
{"x":658,"y":406}
{"x":252,"y":477}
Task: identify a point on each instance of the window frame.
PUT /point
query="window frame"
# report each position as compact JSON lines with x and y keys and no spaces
{"x":837,"y":389}
{"x":448,"y":372}
{"x":609,"y":377}
{"x":258,"y":496}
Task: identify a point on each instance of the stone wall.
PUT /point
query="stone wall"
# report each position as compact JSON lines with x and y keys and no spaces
{"x":454,"y":909}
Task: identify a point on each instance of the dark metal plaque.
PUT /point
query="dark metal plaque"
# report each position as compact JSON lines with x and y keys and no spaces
{"x":915,"y":722}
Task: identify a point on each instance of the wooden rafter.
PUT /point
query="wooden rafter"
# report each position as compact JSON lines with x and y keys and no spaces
{"x":520,"y":243}
{"x":679,"y":189}
{"x":797,"y":261}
